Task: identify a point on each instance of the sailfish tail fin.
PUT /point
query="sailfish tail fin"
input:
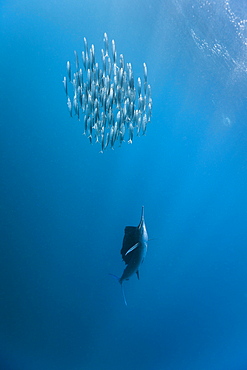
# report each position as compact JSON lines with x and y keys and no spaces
{"x":124,"y":298}
{"x":125,"y":302}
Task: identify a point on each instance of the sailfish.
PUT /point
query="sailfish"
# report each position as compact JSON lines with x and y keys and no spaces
{"x":134,"y":249}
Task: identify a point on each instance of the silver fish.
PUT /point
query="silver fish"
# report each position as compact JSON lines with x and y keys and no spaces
{"x":69,"y":104}
{"x":114,"y":52}
{"x":65,"y":85}
{"x":92,"y":56}
{"x":139,"y":86}
{"x":106,"y":44}
{"x":145,"y":72}
{"x":145,"y":77}
{"x":144,"y":124}
{"x":69,"y":70}
{"x":83,"y":56}
{"x":85,"y":46}
{"x":102,"y":144}
{"x":121,"y":61}
{"x":76,"y":60}
{"x":131,"y":133}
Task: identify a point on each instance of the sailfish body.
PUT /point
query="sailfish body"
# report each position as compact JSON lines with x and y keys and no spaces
{"x":134,"y":248}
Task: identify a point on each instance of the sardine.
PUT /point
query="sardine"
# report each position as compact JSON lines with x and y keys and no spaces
{"x":69,"y":70}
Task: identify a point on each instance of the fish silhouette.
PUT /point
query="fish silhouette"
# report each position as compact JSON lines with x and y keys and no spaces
{"x":134,"y":249}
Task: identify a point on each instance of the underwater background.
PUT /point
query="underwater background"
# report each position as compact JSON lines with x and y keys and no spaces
{"x":64,"y":206}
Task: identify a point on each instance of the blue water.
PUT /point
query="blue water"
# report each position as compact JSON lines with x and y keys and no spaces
{"x":64,"y":206}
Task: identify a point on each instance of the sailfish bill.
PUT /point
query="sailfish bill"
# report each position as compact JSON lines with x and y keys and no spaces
{"x":134,"y":249}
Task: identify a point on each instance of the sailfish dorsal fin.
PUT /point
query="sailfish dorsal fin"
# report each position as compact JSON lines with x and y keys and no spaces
{"x":130,"y":241}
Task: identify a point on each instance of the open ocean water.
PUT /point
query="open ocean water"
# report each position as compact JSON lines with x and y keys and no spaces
{"x":64,"y":206}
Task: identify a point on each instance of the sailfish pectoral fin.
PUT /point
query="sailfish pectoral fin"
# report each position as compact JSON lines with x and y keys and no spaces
{"x":137,"y":273}
{"x":131,"y":249}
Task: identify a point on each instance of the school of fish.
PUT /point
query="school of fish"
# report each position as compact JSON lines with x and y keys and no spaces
{"x":106,"y":99}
